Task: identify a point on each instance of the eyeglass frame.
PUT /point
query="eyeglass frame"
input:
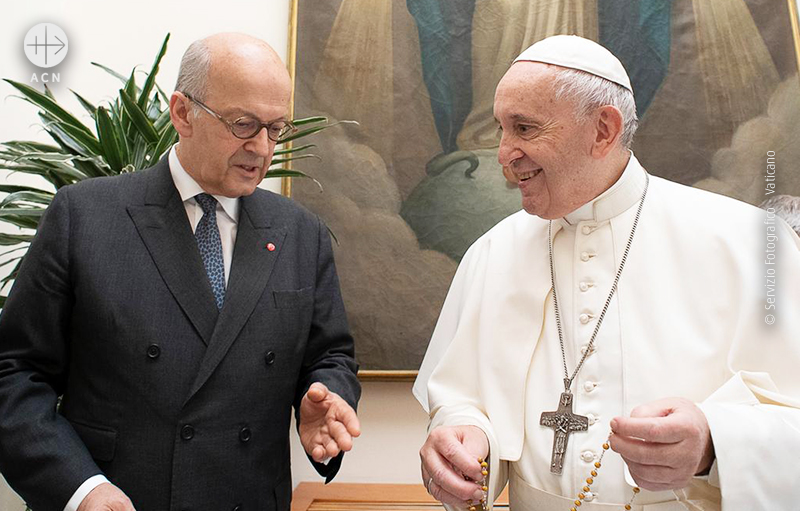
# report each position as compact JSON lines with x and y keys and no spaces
{"x":229,"y":124}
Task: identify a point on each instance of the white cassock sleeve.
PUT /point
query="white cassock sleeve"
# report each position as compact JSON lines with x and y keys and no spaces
{"x":755,"y":416}
{"x":450,"y":405}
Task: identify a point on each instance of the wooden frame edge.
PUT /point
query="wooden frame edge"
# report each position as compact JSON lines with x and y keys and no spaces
{"x":387,"y":375}
{"x":291,"y":64}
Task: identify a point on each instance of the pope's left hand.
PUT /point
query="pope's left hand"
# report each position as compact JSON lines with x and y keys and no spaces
{"x":327,"y":423}
{"x":664,"y":443}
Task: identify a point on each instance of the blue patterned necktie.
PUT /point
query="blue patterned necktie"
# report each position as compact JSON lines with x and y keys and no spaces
{"x":210,"y":245}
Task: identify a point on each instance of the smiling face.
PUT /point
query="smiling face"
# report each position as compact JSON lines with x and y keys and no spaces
{"x":245,"y":77}
{"x":543,"y":148}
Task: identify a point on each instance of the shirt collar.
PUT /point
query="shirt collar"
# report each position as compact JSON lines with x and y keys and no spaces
{"x":623,"y":194}
{"x":188,"y":187}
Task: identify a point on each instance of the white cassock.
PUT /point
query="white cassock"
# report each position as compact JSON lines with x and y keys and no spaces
{"x":689,"y":320}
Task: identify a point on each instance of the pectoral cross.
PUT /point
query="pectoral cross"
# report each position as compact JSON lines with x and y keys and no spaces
{"x":563,"y":422}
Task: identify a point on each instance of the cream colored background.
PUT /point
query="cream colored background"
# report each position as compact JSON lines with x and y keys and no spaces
{"x":122,"y":35}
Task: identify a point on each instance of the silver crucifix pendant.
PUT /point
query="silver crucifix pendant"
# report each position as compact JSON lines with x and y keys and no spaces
{"x":563,"y":422}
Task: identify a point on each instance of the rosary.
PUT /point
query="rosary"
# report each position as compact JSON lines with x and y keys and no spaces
{"x":481,"y":506}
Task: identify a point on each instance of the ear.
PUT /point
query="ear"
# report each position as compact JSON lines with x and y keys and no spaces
{"x":608,"y":130}
{"x":180,"y":112}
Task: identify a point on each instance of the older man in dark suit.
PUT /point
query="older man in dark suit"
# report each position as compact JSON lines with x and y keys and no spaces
{"x":182,"y":313}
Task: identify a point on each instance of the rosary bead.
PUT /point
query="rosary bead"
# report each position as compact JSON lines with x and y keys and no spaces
{"x":581,"y":496}
{"x":485,"y":488}
{"x":594,"y":473}
{"x":606,"y":446}
{"x":597,"y":464}
{"x":577,"y":503}
{"x":572,"y":509}
{"x":627,"y":507}
{"x":636,"y":489}
{"x":585,"y":488}
{"x":473,"y":508}
{"x":589,"y":480}
{"x":485,"y":472}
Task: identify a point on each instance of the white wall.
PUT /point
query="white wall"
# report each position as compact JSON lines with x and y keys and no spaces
{"x":121,"y":35}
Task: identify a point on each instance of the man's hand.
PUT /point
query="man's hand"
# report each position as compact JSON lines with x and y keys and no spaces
{"x":665,"y":443}
{"x":327,"y":423}
{"x":450,"y":456}
{"x":106,"y":497}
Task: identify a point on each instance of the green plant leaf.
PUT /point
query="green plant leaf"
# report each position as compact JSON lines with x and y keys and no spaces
{"x":309,"y":120}
{"x":27,"y":218}
{"x":109,"y":141}
{"x":122,"y":78}
{"x":27,"y":197}
{"x":86,"y":144}
{"x":138,"y":117}
{"x":20,"y":188}
{"x":281,"y":161}
{"x":85,"y":104}
{"x":168,"y":137}
{"x":49,"y":106}
{"x":14,"y":239}
{"x":290,"y":173}
{"x":151,"y":76}
{"x":294,"y":149}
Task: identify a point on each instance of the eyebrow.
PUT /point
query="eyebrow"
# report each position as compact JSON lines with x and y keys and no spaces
{"x":522,"y":118}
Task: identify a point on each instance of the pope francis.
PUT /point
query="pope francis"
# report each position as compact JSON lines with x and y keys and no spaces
{"x":625,"y":342}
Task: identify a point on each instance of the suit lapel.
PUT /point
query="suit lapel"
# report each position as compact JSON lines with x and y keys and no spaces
{"x":165,"y":230}
{"x":251,"y":268}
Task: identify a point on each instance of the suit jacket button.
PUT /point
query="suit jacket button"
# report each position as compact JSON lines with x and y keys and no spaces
{"x":269,"y":358}
{"x":187,"y":432}
{"x":245,"y":434}
{"x":237,"y":508}
{"x":153,"y":351}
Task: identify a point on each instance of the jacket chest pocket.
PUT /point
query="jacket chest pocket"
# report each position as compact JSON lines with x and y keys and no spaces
{"x":293,"y":299}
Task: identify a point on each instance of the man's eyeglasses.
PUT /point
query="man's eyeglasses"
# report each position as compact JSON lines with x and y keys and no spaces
{"x":248,"y":126}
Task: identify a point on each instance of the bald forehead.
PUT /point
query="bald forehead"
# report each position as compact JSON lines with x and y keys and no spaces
{"x":240,"y":59}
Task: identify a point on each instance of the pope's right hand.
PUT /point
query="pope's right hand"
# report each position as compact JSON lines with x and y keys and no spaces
{"x":450,"y":467}
{"x":106,"y":497}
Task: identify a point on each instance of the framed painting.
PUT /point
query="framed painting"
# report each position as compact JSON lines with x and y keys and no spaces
{"x":408,"y":189}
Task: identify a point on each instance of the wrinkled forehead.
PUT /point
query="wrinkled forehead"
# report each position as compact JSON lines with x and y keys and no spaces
{"x":526,"y":85}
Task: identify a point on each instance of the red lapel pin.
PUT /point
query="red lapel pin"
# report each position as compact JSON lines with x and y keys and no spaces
{"x":270,"y":247}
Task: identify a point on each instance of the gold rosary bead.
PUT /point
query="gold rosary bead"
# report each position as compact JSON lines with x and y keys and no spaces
{"x":597,"y":464}
{"x":485,"y":473}
{"x":473,"y":508}
{"x":577,"y":503}
{"x":581,"y":496}
{"x":485,"y":488}
{"x":585,"y":488}
{"x":594,"y":473}
{"x":627,"y":507}
{"x":589,"y":480}
{"x":572,"y":509}
{"x":484,"y":464}
{"x":606,"y":446}
{"x":636,"y":489}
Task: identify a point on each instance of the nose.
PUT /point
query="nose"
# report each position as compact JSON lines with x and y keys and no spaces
{"x":508,"y":152}
{"x":261,"y":144}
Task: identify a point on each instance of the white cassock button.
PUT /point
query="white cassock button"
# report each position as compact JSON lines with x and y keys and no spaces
{"x":592,"y":418}
{"x":589,"y":386}
{"x":587,"y":456}
{"x":583,"y":318}
{"x":585,"y":256}
{"x":584,"y":286}
{"x":588,"y":496}
{"x":586,"y":347}
{"x":586,"y":229}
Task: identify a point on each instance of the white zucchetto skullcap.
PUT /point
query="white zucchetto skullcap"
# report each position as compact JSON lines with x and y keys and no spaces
{"x":575,"y":52}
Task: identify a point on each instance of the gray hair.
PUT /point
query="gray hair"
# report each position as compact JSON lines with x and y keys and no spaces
{"x":590,"y":92}
{"x":786,"y":207}
{"x":193,"y":73}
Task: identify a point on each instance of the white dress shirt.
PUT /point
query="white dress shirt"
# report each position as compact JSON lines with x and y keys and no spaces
{"x":227,"y":221}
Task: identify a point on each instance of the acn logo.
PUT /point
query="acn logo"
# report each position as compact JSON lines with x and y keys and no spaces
{"x":46,"y":45}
